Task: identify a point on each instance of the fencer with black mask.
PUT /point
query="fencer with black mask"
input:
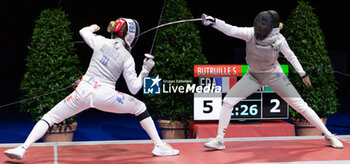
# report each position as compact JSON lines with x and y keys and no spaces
{"x":263,"y":44}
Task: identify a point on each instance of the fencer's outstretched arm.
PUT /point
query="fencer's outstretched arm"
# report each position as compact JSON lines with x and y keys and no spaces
{"x":133,"y":81}
{"x":244,"y":33}
{"x":292,"y":59}
{"x":87,"y":33}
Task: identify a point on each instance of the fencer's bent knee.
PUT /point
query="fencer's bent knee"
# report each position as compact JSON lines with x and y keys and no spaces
{"x":140,"y":108}
{"x":142,"y":112}
{"x":143,"y":115}
{"x":298,"y":104}
{"x":48,"y":124}
{"x":50,"y":119}
{"x":302,"y":107}
{"x":231,"y":101}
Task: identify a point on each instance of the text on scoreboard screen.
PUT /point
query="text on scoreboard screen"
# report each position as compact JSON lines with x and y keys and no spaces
{"x":261,"y":105}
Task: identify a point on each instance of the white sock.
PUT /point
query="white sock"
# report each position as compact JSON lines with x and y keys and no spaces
{"x":37,"y":132}
{"x":224,"y":120}
{"x":313,"y":118}
{"x":151,"y":130}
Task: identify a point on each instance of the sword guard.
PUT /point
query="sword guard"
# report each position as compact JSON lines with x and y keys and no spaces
{"x":149,"y":56}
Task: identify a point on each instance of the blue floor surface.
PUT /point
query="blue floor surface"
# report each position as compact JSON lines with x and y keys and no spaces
{"x":94,"y":125}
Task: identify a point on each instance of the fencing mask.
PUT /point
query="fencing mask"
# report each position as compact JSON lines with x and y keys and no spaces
{"x":125,"y":28}
{"x":264,"y":22}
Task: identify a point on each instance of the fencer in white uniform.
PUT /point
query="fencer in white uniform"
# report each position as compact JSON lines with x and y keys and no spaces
{"x":110,"y":59}
{"x":263,"y":44}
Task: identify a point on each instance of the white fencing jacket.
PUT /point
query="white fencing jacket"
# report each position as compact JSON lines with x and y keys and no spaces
{"x":261,"y":58}
{"x":109,"y":60}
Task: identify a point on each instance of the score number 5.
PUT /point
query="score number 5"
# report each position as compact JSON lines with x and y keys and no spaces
{"x":207,"y":105}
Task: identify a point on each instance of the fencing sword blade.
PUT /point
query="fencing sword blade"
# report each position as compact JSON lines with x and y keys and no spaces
{"x":155,"y":35}
{"x":170,"y":23}
{"x":159,"y":26}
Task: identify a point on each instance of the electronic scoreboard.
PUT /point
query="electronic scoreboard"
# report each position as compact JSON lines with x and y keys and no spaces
{"x":261,"y":105}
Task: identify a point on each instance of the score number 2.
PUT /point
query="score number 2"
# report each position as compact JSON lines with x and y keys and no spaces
{"x":275,"y":108}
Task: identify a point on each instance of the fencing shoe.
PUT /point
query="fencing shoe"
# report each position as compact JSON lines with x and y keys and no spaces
{"x":164,"y":150}
{"x":16,"y":153}
{"x":216,"y":143}
{"x":333,"y":141}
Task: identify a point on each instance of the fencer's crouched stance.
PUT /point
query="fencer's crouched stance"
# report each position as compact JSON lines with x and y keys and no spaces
{"x":110,"y":59}
{"x":263,"y":44}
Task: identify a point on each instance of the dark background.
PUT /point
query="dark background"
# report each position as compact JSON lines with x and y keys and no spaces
{"x":17,"y":23}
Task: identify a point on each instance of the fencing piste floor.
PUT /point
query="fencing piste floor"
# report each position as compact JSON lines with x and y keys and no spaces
{"x":261,"y":150}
